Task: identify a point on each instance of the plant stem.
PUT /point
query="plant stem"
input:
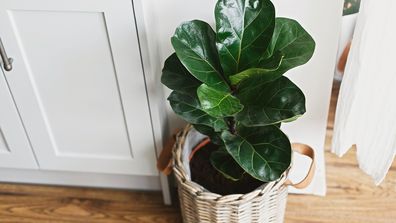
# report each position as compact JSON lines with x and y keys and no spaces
{"x":231,"y":120}
{"x":231,"y":125}
{"x":234,"y":90}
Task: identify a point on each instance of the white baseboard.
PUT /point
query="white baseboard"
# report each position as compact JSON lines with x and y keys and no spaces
{"x":80,"y":179}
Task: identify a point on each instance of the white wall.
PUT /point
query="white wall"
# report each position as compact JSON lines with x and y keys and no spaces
{"x":322,"y":19}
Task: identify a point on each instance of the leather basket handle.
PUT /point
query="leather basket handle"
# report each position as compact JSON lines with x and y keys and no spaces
{"x":164,"y":161}
{"x":309,"y":152}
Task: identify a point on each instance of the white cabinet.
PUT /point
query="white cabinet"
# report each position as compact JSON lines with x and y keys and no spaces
{"x":79,"y":85}
{"x":15,"y":150}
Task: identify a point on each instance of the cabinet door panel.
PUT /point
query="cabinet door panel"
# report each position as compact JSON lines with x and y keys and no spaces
{"x":15,"y":151}
{"x":79,"y":84}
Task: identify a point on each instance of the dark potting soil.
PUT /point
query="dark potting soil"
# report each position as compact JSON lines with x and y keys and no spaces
{"x":203,"y":173}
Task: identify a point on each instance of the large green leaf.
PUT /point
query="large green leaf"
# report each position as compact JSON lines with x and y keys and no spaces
{"x":271,"y":64}
{"x":263,"y":152}
{"x":223,"y":162}
{"x":195,"y":45}
{"x":244,"y":30}
{"x":290,"y":46}
{"x":187,"y":106}
{"x":294,"y":43}
{"x":176,"y":77}
{"x":269,"y":102}
{"x":218,"y":103}
{"x":209,"y":131}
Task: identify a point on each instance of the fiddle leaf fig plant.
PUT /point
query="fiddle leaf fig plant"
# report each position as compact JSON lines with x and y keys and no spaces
{"x":229,"y":84}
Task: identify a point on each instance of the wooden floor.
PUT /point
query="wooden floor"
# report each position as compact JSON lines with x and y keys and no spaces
{"x":352,"y":198}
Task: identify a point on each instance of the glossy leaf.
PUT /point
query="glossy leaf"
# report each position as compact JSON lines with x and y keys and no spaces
{"x":195,"y":46}
{"x":223,"y":162}
{"x":244,"y":30}
{"x":293,"y":41}
{"x":209,"y":131}
{"x":218,"y":103}
{"x":269,"y":102}
{"x":271,"y":64}
{"x":263,"y":152}
{"x":176,"y":77}
{"x":187,"y":106}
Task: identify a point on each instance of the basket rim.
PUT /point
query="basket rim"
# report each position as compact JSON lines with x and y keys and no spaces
{"x":201,"y":192}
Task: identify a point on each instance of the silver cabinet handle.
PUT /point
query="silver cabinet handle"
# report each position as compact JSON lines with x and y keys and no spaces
{"x":7,"y":62}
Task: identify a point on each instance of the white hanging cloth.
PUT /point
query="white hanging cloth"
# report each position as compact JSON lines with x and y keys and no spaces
{"x":366,"y":110}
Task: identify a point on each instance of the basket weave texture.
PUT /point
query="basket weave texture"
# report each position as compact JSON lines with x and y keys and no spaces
{"x":266,"y":204}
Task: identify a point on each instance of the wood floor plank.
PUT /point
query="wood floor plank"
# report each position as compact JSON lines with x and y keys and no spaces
{"x":351,"y":197}
{"x":61,"y":204}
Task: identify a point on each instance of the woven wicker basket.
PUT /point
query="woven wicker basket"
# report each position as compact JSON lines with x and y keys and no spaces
{"x":266,"y":204}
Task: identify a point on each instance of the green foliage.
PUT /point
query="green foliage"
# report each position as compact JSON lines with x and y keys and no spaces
{"x":269,"y":102}
{"x":222,"y":161}
{"x":229,"y":84}
{"x":244,"y":30}
{"x":217,"y":103}
{"x":351,"y":7}
{"x":195,"y":46}
{"x":264,"y":152}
